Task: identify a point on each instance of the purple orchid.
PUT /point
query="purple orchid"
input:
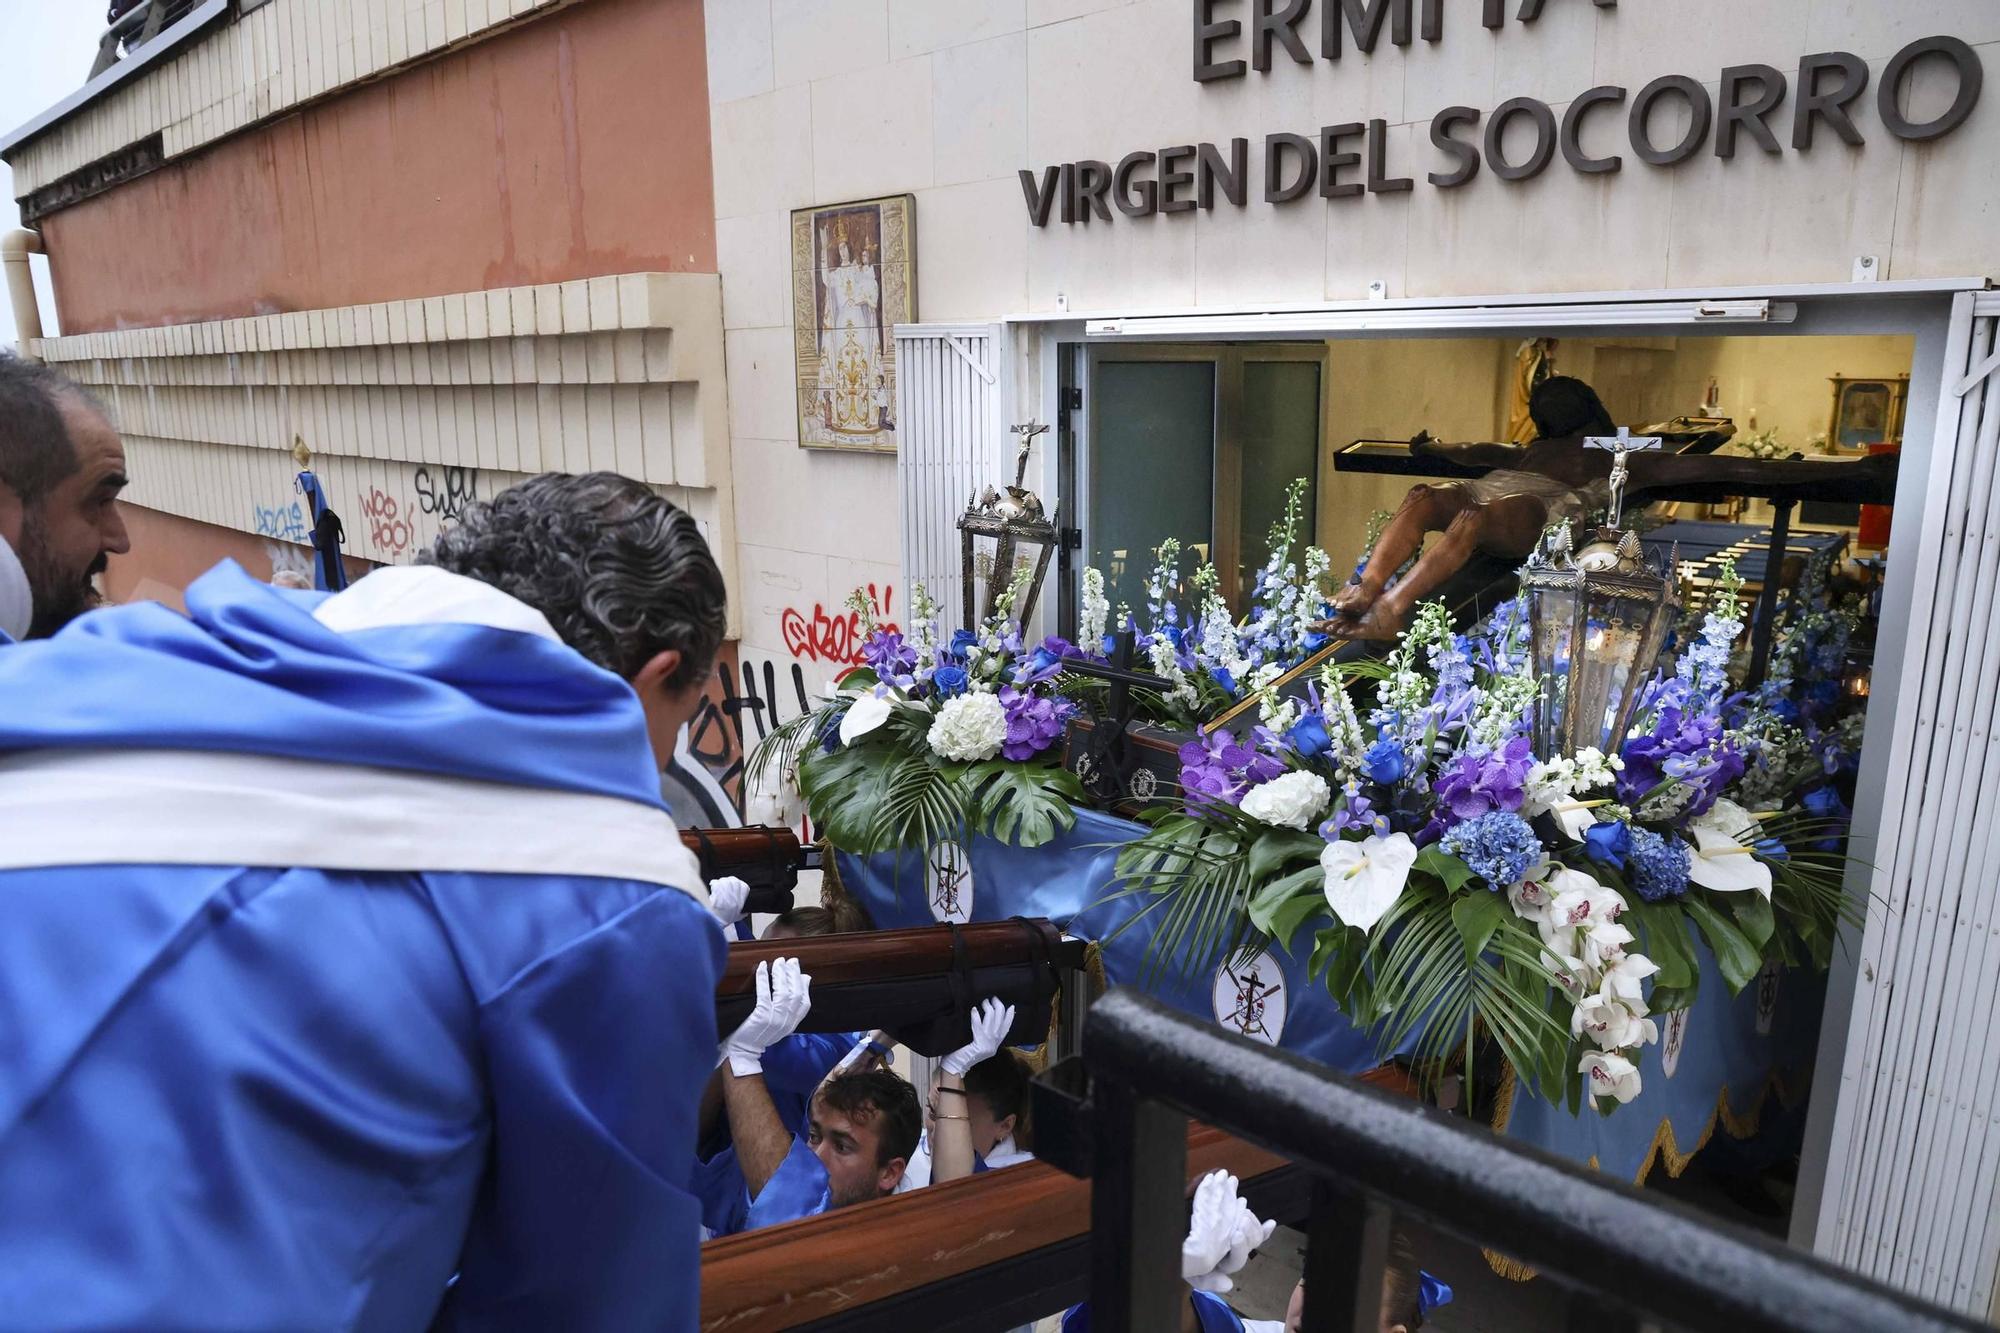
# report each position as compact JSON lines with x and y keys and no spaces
{"x":1033,"y":723}
{"x":1479,"y":781}
{"x":890,"y":657}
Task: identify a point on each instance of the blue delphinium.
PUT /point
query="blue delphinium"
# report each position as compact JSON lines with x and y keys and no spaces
{"x":1499,"y":847}
{"x":1657,"y":866}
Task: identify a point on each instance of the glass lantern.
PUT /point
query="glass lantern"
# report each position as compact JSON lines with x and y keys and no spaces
{"x":1005,"y":538}
{"x":1549,"y":582}
{"x":1598,"y":621}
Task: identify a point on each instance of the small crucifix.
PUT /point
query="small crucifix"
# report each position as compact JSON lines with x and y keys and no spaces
{"x":1620,"y":446}
{"x":1027,"y":430}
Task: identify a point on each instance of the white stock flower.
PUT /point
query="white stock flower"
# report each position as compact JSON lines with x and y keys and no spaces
{"x":1096,"y":610}
{"x":969,"y":728}
{"x":1722,"y":857}
{"x":1608,"y":1074}
{"x":1549,"y":785}
{"x":1612,"y":1023}
{"x":1364,"y":879}
{"x":867,"y":712}
{"x":1291,"y":800}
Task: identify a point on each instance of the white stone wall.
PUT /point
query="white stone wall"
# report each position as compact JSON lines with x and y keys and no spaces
{"x":820,"y":101}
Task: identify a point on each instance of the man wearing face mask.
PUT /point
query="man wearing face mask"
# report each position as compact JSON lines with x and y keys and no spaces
{"x":62,"y":466}
{"x":355,"y":976}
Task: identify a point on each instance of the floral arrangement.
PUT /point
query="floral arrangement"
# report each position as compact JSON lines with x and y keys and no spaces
{"x":1765,"y":444}
{"x":934,"y":739}
{"x":1209,"y":659}
{"x":1450,"y":883}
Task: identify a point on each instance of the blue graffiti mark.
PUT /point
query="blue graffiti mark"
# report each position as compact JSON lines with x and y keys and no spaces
{"x":285,"y":522}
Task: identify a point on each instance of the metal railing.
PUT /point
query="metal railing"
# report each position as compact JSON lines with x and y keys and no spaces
{"x":1631,"y":1262}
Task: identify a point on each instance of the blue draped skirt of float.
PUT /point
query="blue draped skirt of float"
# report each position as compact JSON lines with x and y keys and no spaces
{"x":1730,"y":1055}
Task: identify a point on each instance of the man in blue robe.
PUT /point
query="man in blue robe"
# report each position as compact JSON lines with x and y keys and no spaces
{"x":353,"y":974}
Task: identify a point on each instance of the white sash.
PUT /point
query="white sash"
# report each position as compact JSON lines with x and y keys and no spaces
{"x":190,"y":807}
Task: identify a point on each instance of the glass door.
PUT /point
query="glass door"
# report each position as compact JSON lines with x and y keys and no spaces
{"x":1198,"y":442}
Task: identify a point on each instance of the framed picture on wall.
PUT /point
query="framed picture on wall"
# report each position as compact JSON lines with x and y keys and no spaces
{"x":854,"y":278}
{"x":1866,"y":411}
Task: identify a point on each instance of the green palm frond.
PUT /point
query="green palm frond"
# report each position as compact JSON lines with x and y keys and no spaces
{"x":927,"y":802}
{"x":781,"y":750}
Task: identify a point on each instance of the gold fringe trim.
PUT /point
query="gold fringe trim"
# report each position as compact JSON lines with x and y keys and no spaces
{"x":1665,"y":1147}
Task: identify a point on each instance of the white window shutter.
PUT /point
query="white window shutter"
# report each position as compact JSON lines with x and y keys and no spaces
{"x":951,"y":440}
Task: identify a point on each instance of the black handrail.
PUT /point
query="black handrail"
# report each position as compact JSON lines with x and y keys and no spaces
{"x":1631,"y":1255}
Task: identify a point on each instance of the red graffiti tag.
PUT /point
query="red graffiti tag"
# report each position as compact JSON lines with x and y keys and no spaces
{"x":836,"y":637}
{"x":386,"y":529}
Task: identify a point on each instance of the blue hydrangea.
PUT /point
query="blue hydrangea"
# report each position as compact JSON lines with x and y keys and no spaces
{"x":1657,"y":866}
{"x":1498,"y":847}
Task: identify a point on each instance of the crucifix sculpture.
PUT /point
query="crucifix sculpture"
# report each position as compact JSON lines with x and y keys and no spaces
{"x":1620,"y":446}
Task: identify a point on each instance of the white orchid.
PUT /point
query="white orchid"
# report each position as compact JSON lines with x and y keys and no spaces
{"x":1290,"y":800}
{"x":1723,"y":859}
{"x":1602,"y":944}
{"x":1531,"y":900}
{"x":1608,"y":1074}
{"x":1625,"y":977}
{"x":1613,"y":1023}
{"x":865,"y":714}
{"x":1364,"y":879}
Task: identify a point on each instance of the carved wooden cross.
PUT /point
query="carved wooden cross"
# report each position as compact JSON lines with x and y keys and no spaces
{"x":1620,"y":446}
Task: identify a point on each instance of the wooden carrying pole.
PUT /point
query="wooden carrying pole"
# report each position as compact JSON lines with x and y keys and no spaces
{"x":946,"y":1256}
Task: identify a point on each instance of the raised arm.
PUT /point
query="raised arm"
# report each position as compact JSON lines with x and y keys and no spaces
{"x":1468,"y":455}
{"x":783,"y":1000}
{"x":952,"y":1153}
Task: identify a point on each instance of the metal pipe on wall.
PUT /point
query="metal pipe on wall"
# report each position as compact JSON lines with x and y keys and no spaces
{"x":15,"y":247}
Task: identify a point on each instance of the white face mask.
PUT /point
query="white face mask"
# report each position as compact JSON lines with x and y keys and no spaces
{"x":17,"y":606}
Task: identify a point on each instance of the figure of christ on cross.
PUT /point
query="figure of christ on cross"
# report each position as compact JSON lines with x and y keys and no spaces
{"x":1557,"y":478}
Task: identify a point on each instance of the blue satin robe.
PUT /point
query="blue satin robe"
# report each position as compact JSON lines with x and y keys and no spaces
{"x":253,"y":1098}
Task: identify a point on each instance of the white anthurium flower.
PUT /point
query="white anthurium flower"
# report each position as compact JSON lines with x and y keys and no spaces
{"x":1624,"y":977}
{"x":1723,"y":860}
{"x":867,"y":712}
{"x":1608,"y":1074}
{"x":1575,"y":818}
{"x":1290,"y":800}
{"x":1364,"y":879}
{"x":1612,"y":1023}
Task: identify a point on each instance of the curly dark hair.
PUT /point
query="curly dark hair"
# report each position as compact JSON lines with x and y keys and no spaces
{"x":867,"y":1095}
{"x":621,"y":574}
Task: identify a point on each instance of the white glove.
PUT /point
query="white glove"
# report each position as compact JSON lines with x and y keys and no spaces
{"x":1248,"y":1236}
{"x":1211,"y":1229}
{"x":991,"y":1022}
{"x":726,"y":897}
{"x":784,"y":997}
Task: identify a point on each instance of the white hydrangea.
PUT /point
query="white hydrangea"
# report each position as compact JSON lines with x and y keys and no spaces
{"x":1291,"y":800}
{"x":969,"y":728}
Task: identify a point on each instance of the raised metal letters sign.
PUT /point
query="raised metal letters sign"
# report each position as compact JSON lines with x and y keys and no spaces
{"x":1347,"y":160}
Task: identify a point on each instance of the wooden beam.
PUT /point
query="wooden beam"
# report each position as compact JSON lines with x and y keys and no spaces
{"x":889,"y":955}
{"x":831,"y":1265}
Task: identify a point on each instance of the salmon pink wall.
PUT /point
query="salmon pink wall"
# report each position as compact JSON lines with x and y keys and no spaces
{"x":574,"y":146}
